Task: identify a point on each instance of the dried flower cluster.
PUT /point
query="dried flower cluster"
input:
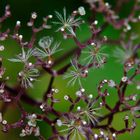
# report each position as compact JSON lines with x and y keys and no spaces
{"x":86,"y":114}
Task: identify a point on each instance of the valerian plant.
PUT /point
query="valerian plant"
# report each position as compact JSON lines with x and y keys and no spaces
{"x":88,"y":116}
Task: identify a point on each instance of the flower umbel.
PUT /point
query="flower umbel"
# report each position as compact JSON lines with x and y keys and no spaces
{"x":123,"y":55}
{"x":31,"y":127}
{"x":24,"y":56}
{"x":95,"y":56}
{"x":72,"y":126}
{"x":27,"y":76}
{"x":67,"y":23}
{"x":76,"y":74}
{"x":90,"y":113}
{"x":47,"y":48}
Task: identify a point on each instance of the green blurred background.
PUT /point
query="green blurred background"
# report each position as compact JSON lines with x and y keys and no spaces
{"x":21,"y":10}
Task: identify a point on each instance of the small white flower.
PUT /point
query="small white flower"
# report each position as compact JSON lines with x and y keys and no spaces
{"x":129,"y":65}
{"x":66,"y":97}
{"x":82,"y":90}
{"x":81,"y":11}
{"x":105,"y":38}
{"x":126,"y":117}
{"x":30,"y":64}
{"x":96,"y":22}
{"x":49,"y":62}
{"x":93,"y":44}
{"x":59,"y":123}
{"x":101,"y":104}
{"x":56,"y":90}
{"x":20,"y":73}
{"x":32,"y":120}
{"x":90,"y":96}
{"x":75,"y":12}
{"x":124,"y":79}
{"x":34,"y":15}
{"x":114,"y":135}
{"x":53,"y":89}
{"x":34,"y":116}
{"x":78,"y":93}
{"x":95,"y":136}
{"x":4,"y":122}
{"x":105,"y":80}
{"x":7,"y":78}
{"x":31,"y":79}
{"x":18,"y":23}
{"x":1,"y":90}
{"x":50,"y":16}
{"x":30,"y":24}
{"x":86,"y":71}
{"x":20,"y":37}
{"x":134,"y":98}
{"x":107,"y":4}
{"x":42,"y":106}
{"x":111,"y":83}
{"x":62,"y":29}
{"x":78,"y":108}
{"x":2,"y":48}
{"x":128,"y":27}
{"x":84,"y":122}
{"x":102,"y":133}
{"x":138,"y":87}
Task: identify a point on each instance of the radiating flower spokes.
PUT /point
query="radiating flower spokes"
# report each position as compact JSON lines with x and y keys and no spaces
{"x":123,"y":54}
{"x":90,"y":113}
{"x":75,"y":74}
{"x":47,"y":47}
{"x":67,"y":23}
{"x":27,"y":76}
{"x":73,"y":128}
{"x":95,"y":56}
{"x":24,"y":56}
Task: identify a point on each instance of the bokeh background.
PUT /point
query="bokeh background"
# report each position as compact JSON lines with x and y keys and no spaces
{"x":21,"y":10}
